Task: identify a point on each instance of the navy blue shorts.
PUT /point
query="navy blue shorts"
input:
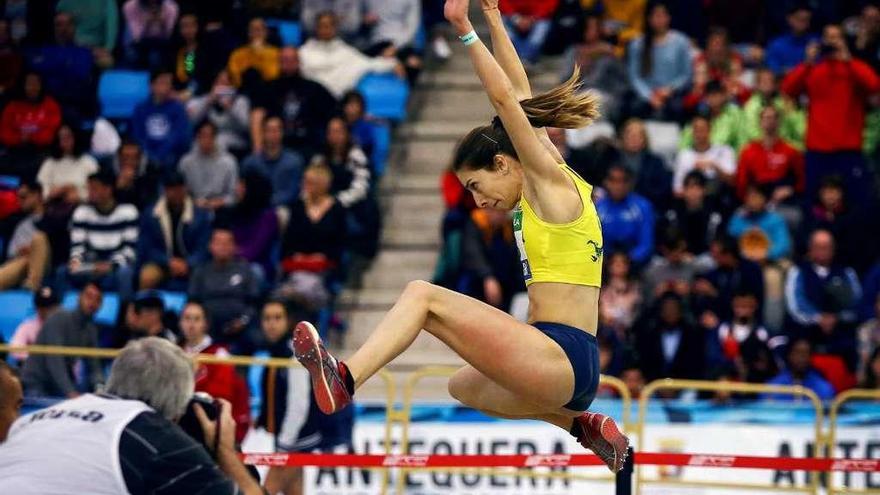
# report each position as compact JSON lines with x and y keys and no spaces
{"x":583,"y":353}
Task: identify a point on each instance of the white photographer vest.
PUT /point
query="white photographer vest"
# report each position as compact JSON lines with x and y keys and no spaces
{"x":71,"y":447}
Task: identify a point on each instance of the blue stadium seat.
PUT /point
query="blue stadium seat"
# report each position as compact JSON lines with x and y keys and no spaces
{"x":290,"y":32}
{"x":17,"y":305}
{"x":174,"y":301}
{"x":386,"y":96}
{"x":381,"y":147}
{"x":109,"y":307}
{"x":119,"y":91}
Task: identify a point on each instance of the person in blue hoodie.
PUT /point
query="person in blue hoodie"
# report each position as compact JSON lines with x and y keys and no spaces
{"x":160,"y":124}
{"x":754,"y":215}
{"x":799,"y":371}
{"x":627,"y":217}
{"x":789,"y":50}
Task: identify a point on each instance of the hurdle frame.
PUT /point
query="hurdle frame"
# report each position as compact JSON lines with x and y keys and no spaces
{"x":725,"y":386}
{"x":833,"y":414}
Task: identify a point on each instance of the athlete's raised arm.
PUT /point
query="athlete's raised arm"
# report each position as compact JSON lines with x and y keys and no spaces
{"x":508,"y":59}
{"x":537,"y":161}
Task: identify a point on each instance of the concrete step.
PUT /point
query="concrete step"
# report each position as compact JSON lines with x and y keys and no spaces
{"x":393,"y":269}
{"x":413,"y":182}
{"x":456,"y":105}
{"x":425,"y":157}
{"x":407,"y":238}
{"x":447,"y":130}
{"x":445,"y":80}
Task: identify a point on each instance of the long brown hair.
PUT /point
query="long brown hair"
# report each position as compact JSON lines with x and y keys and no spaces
{"x":564,"y":106}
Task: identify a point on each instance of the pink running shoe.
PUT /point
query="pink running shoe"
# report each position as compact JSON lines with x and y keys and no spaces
{"x":328,"y":374}
{"x":599,"y":433}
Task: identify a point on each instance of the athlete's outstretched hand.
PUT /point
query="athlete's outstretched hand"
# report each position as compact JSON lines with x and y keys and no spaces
{"x":456,"y":12}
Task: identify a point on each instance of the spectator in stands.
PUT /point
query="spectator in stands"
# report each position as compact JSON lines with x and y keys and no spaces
{"x":694,"y":215}
{"x":849,"y":224}
{"x":228,"y":109}
{"x":791,"y":119}
{"x":217,"y":380}
{"x":743,"y":342}
{"x":349,"y":16}
{"x":725,"y":118}
{"x":393,"y":26}
{"x":173,"y":239}
{"x":822,"y":297}
{"x":787,"y":51}
{"x":837,"y":86}
{"x":103,"y":239}
{"x":137,"y":180}
{"x":755,"y":216}
{"x":32,"y":117}
{"x":227,"y":288}
{"x":55,"y":376}
{"x":276,"y":326}
{"x":659,"y":64}
{"x":314,"y":241}
{"x":720,"y":63}
{"x":97,"y":26}
{"x":490,"y":257}
{"x":668,"y":345}
{"x":11,"y":399}
{"x":864,"y":35}
{"x":868,"y":344}
{"x":10,"y":59}
{"x":771,"y":162}
{"x":528,"y":23}
{"x":871,"y":378}
{"x":67,"y":70}
{"x":211,"y":173}
{"x":283,"y":167}
{"x":65,"y":173}
{"x":714,"y":290}
{"x":601,"y":70}
{"x":624,"y":21}
{"x":716,"y":161}
{"x":633,"y":378}
{"x":257,"y":56}
{"x":362,"y":129}
{"x":303,"y":105}
{"x":147,"y":317}
{"x":28,"y":250}
{"x":140,"y":446}
{"x":189,"y":70}
{"x":652,"y":177}
{"x":160,"y":124}
{"x":338,"y":66}
{"x":671,"y":270}
{"x":150,"y":25}
{"x":627,"y":217}
{"x":26,"y":333}
{"x":254,"y":223}
{"x":799,"y":371}
{"x":621,"y":298}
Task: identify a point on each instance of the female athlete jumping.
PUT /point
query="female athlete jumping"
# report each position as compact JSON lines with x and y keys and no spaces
{"x":549,"y":369}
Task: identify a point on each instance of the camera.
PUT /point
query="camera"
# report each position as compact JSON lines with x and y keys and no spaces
{"x":190,"y":422}
{"x":826,"y":49}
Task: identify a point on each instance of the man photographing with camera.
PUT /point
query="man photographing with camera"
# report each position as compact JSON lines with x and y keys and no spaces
{"x":127,"y":440}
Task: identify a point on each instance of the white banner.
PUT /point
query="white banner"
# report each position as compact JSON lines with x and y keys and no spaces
{"x":536,"y":438}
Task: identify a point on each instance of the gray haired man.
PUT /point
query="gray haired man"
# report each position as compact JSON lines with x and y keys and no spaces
{"x":126,"y":440}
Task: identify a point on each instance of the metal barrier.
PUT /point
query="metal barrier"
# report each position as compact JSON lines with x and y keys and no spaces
{"x":833,"y":413}
{"x":89,"y":352}
{"x":405,"y":416}
{"x":751,"y":388}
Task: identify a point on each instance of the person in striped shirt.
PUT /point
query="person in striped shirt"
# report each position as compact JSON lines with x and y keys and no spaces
{"x":103,"y":237}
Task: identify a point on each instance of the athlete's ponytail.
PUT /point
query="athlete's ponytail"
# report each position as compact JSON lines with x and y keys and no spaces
{"x":564,"y":106}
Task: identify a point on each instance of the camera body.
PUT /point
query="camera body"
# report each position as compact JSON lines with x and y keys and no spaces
{"x":190,"y":423}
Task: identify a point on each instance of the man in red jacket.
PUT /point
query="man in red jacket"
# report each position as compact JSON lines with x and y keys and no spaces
{"x":528,"y":23}
{"x":838,"y":87}
{"x":770,"y":161}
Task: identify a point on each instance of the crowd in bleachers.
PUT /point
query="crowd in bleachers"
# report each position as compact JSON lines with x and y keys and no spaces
{"x":198,"y":170}
{"x":736,"y":177}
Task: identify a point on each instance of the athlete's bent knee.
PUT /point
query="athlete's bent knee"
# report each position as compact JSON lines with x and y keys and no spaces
{"x":420,"y":289}
{"x":461,"y":388}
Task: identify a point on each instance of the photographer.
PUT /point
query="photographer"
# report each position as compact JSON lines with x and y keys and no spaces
{"x":838,"y":87}
{"x":126,"y":439}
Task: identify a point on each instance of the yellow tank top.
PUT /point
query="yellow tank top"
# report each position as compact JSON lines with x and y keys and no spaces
{"x":568,"y":253}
